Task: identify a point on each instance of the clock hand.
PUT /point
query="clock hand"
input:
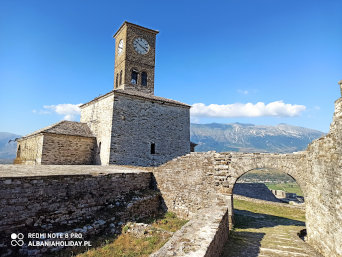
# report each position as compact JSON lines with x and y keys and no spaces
{"x":143,"y":47}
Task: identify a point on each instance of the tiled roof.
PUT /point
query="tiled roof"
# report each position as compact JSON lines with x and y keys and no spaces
{"x":148,"y":96}
{"x":65,"y":127}
{"x":137,"y":26}
{"x":138,"y":95}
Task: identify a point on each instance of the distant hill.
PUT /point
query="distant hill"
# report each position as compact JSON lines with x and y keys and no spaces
{"x":238,"y":137}
{"x":7,"y":150}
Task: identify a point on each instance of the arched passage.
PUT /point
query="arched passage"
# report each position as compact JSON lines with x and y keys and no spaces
{"x":229,"y":167}
{"x":269,"y":185}
{"x":268,"y":228}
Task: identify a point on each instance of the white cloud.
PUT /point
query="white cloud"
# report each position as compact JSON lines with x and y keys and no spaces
{"x":70,"y":111}
{"x":260,"y":109}
{"x":244,"y":92}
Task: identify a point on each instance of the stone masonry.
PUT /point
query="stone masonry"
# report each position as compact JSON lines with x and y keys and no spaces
{"x":139,"y":122}
{"x":191,"y":183}
{"x":98,"y":115}
{"x":198,"y":184}
{"x":70,"y":199}
{"x":127,"y":126}
{"x":129,"y":59}
{"x":65,"y":142}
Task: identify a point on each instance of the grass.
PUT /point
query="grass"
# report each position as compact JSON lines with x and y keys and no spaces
{"x":287,"y":187}
{"x":127,"y":245}
{"x":264,"y":226}
{"x":170,"y":222}
{"x":269,"y":209}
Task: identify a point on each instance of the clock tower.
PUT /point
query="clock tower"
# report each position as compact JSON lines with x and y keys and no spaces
{"x":134,"y":58}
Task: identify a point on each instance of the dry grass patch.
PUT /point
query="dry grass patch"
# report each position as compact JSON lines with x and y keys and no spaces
{"x":269,"y":209}
{"x":128,"y":245}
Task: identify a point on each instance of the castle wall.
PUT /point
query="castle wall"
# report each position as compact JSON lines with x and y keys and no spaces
{"x":30,"y":150}
{"x":98,"y":115}
{"x":203,"y":236}
{"x":139,"y":122}
{"x":82,"y":203}
{"x":186,"y":184}
{"x":67,"y":149}
{"x":324,"y":214}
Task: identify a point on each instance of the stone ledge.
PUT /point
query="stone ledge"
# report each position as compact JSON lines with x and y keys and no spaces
{"x":8,"y":171}
{"x":204,"y":235}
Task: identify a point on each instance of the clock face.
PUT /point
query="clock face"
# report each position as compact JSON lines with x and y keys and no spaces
{"x":141,"y":46}
{"x":120,"y":47}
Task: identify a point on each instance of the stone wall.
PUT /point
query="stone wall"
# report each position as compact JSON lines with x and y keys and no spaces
{"x":187,"y":187}
{"x":186,"y":183}
{"x":139,"y":122}
{"x":29,"y":150}
{"x":98,"y":115}
{"x":193,"y":185}
{"x":66,"y":149}
{"x":204,"y":235}
{"x":83,"y":203}
{"x":324,"y":214}
{"x":317,"y":171}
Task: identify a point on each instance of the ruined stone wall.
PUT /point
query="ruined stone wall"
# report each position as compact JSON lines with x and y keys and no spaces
{"x":67,"y":149}
{"x":139,"y":122}
{"x":83,"y":203}
{"x":324,"y":214}
{"x":188,"y":187}
{"x":204,"y":235}
{"x":187,"y":183}
{"x":30,"y":150}
{"x":98,"y":115}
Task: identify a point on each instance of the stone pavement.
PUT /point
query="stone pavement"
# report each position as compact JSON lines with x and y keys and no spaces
{"x":265,"y":235}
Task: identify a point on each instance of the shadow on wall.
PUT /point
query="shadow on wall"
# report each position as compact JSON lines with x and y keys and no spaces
{"x":154,"y":186}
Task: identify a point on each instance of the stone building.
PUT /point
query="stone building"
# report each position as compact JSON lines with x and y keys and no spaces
{"x":127,"y":126}
{"x":64,"y":142}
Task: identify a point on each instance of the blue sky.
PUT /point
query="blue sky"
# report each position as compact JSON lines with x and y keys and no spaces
{"x":227,"y":53}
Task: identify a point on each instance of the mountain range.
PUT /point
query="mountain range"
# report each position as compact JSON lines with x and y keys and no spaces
{"x":238,"y":137}
{"x":235,"y":137}
{"x":7,"y":149}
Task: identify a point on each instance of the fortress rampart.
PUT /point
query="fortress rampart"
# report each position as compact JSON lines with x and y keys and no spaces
{"x":198,"y":186}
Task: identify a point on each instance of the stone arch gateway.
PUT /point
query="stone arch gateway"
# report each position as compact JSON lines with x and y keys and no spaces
{"x":196,"y":181}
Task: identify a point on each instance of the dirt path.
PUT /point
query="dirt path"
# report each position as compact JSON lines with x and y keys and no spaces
{"x":260,"y":234}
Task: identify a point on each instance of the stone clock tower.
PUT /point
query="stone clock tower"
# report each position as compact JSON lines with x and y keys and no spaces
{"x":134,"y":58}
{"x":127,"y":126}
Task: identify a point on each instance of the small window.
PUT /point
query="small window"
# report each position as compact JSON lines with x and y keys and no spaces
{"x":153,"y":148}
{"x":18,"y":152}
{"x":144,"y":78}
{"x":134,"y":77}
{"x":117,"y":80}
{"x":99,"y":149}
{"x":120,"y":78}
